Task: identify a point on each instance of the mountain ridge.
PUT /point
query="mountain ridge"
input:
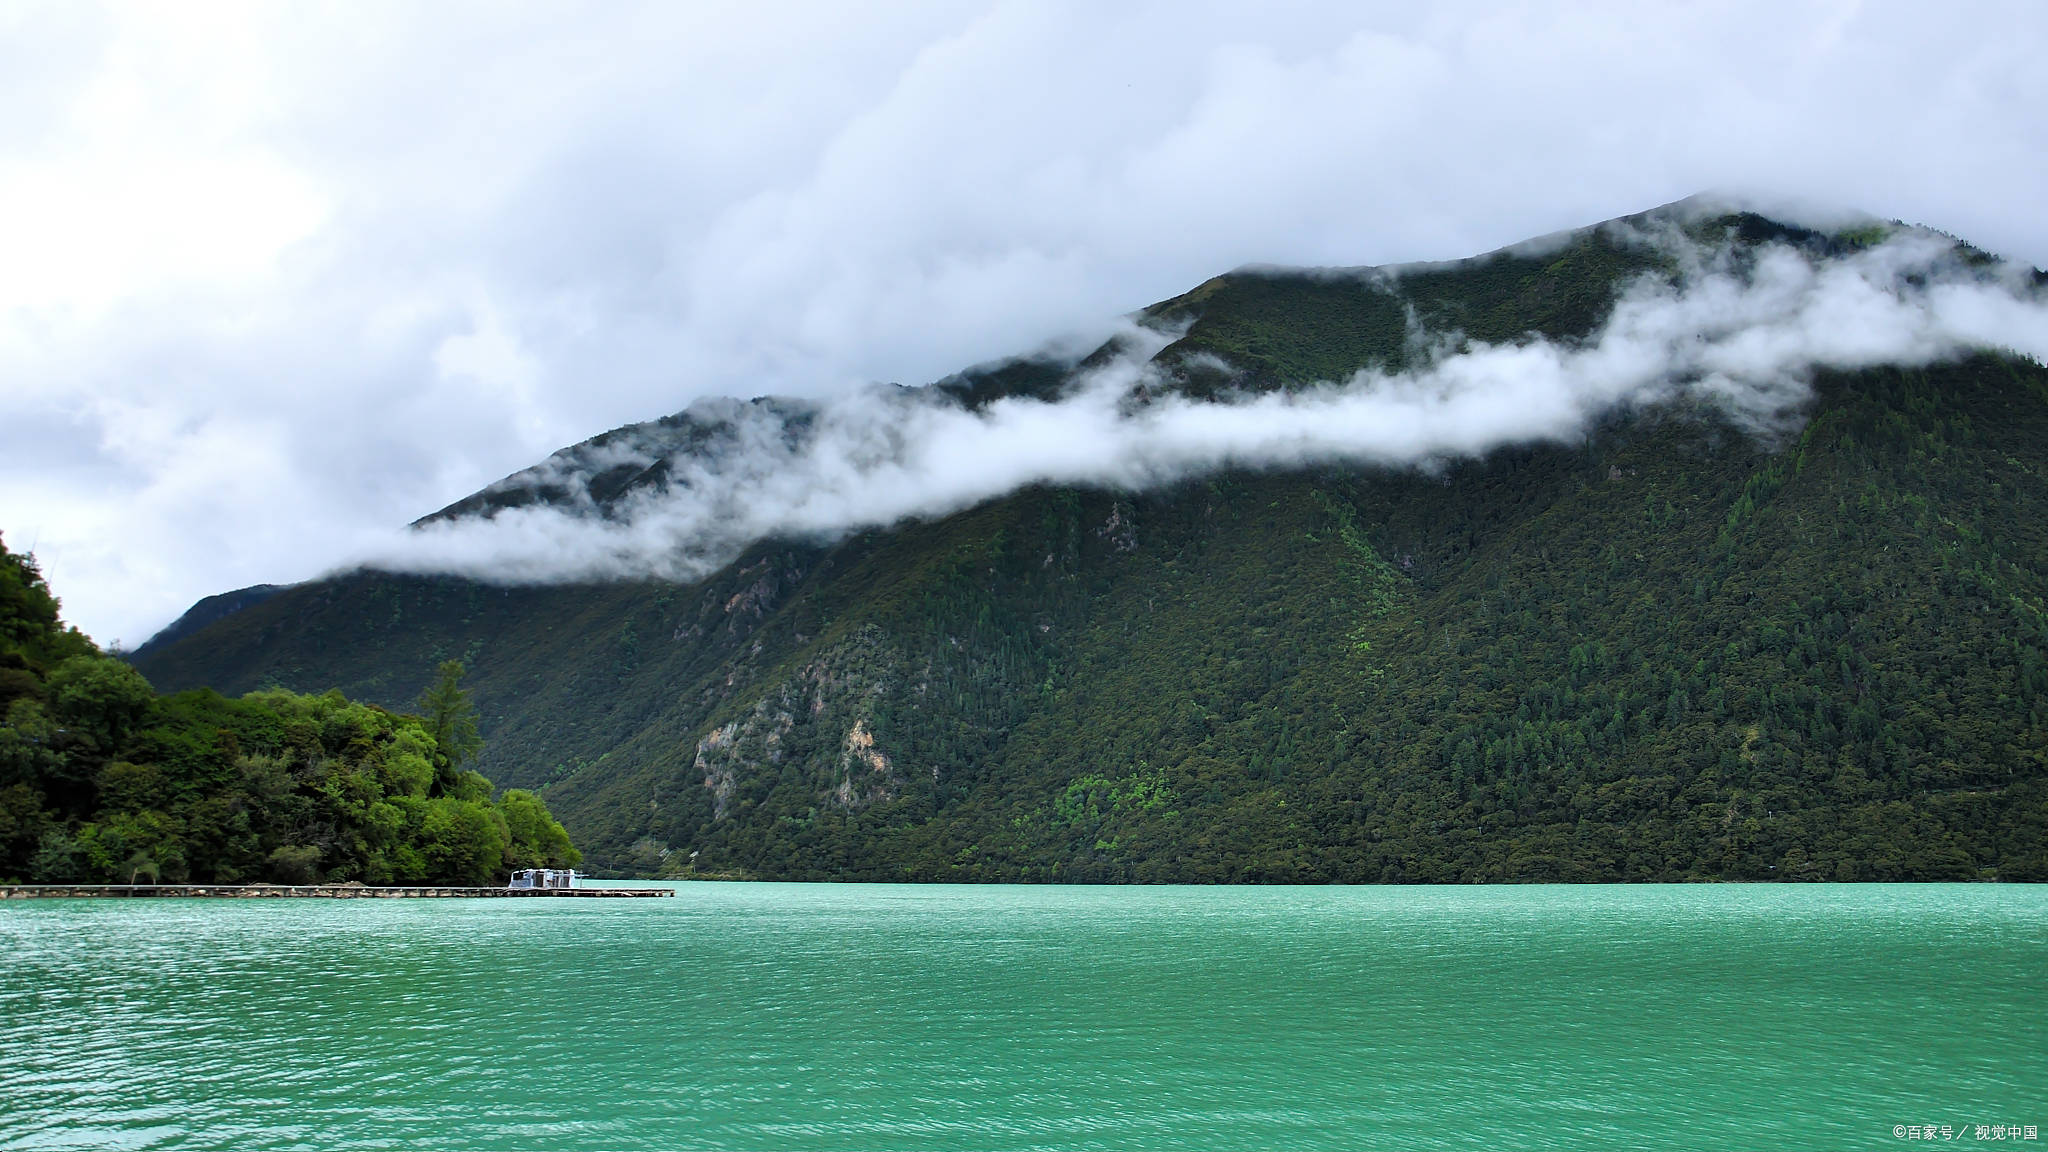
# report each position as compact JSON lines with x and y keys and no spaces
{"x":1666,"y":650}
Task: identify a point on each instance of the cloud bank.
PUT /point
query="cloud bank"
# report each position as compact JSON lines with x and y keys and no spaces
{"x":1741,"y":331}
{"x":275,"y":278}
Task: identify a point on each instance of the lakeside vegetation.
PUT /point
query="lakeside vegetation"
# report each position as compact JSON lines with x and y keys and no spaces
{"x":102,"y":780}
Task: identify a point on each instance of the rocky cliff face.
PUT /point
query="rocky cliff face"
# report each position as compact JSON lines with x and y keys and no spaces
{"x":794,"y":720}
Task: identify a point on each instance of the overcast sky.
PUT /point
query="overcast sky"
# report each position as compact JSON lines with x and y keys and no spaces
{"x":275,"y":279}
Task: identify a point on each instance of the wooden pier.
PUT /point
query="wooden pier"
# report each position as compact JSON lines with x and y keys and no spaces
{"x":313,"y":891}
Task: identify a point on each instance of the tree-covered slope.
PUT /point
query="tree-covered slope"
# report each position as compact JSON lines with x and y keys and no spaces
{"x":104,"y":781}
{"x":1674,"y":649}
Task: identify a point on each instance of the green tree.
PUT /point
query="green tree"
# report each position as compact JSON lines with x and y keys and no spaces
{"x":538,"y":839}
{"x":451,"y":720}
{"x":104,"y":781}
{"x":463,"y":841}
{"x":100,"y":697}
{"x":28,"y":613}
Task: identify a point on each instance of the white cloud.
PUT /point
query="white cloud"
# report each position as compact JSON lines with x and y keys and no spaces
{"x":400,"y":250}
{"x":1745,"y":339}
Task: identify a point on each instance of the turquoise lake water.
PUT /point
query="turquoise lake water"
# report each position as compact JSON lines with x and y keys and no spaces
{"x":868,"y":1016}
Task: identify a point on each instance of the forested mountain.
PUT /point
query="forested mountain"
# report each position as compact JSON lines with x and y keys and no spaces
{"x":1682,"y":643}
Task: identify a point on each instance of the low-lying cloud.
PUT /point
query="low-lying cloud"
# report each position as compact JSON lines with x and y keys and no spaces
{"x":1742,"y":331}
{"x":280,"y":277}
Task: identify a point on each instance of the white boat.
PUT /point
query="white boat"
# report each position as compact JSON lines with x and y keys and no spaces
{"x":543,"y":878}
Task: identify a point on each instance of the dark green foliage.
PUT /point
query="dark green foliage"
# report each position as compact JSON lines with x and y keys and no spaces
{"x":103,"y":781}
{"x":451,"y":721}
{"x":1671,"y":651}
{"x":213,"y":608}
{"x":538,"y":840}
{"x":31,"y":635}
{"x":1038,"y":379}
{"x":1665,"y":653}
{"x":1287,"y":328}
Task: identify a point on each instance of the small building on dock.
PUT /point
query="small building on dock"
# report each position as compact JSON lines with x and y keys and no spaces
{"x":543,"y":878}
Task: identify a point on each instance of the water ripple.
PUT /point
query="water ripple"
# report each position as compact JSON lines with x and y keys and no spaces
{"x":771,"y":1016}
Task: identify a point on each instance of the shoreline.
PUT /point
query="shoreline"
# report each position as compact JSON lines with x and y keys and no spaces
{"x":302,"y":891}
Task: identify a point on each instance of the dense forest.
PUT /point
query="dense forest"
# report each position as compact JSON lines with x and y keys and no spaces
{"x":104,"y":781}
{"x":1676,"y":649}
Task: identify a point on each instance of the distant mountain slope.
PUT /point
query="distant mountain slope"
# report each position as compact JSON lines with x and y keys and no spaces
{"x":1670,"y":650}
{"x":210,"y":610}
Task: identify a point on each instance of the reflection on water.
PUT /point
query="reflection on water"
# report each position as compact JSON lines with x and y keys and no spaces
{"x":866,"y":1016}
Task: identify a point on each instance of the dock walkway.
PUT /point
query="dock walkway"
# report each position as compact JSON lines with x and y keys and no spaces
{"x":315,"y":891}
